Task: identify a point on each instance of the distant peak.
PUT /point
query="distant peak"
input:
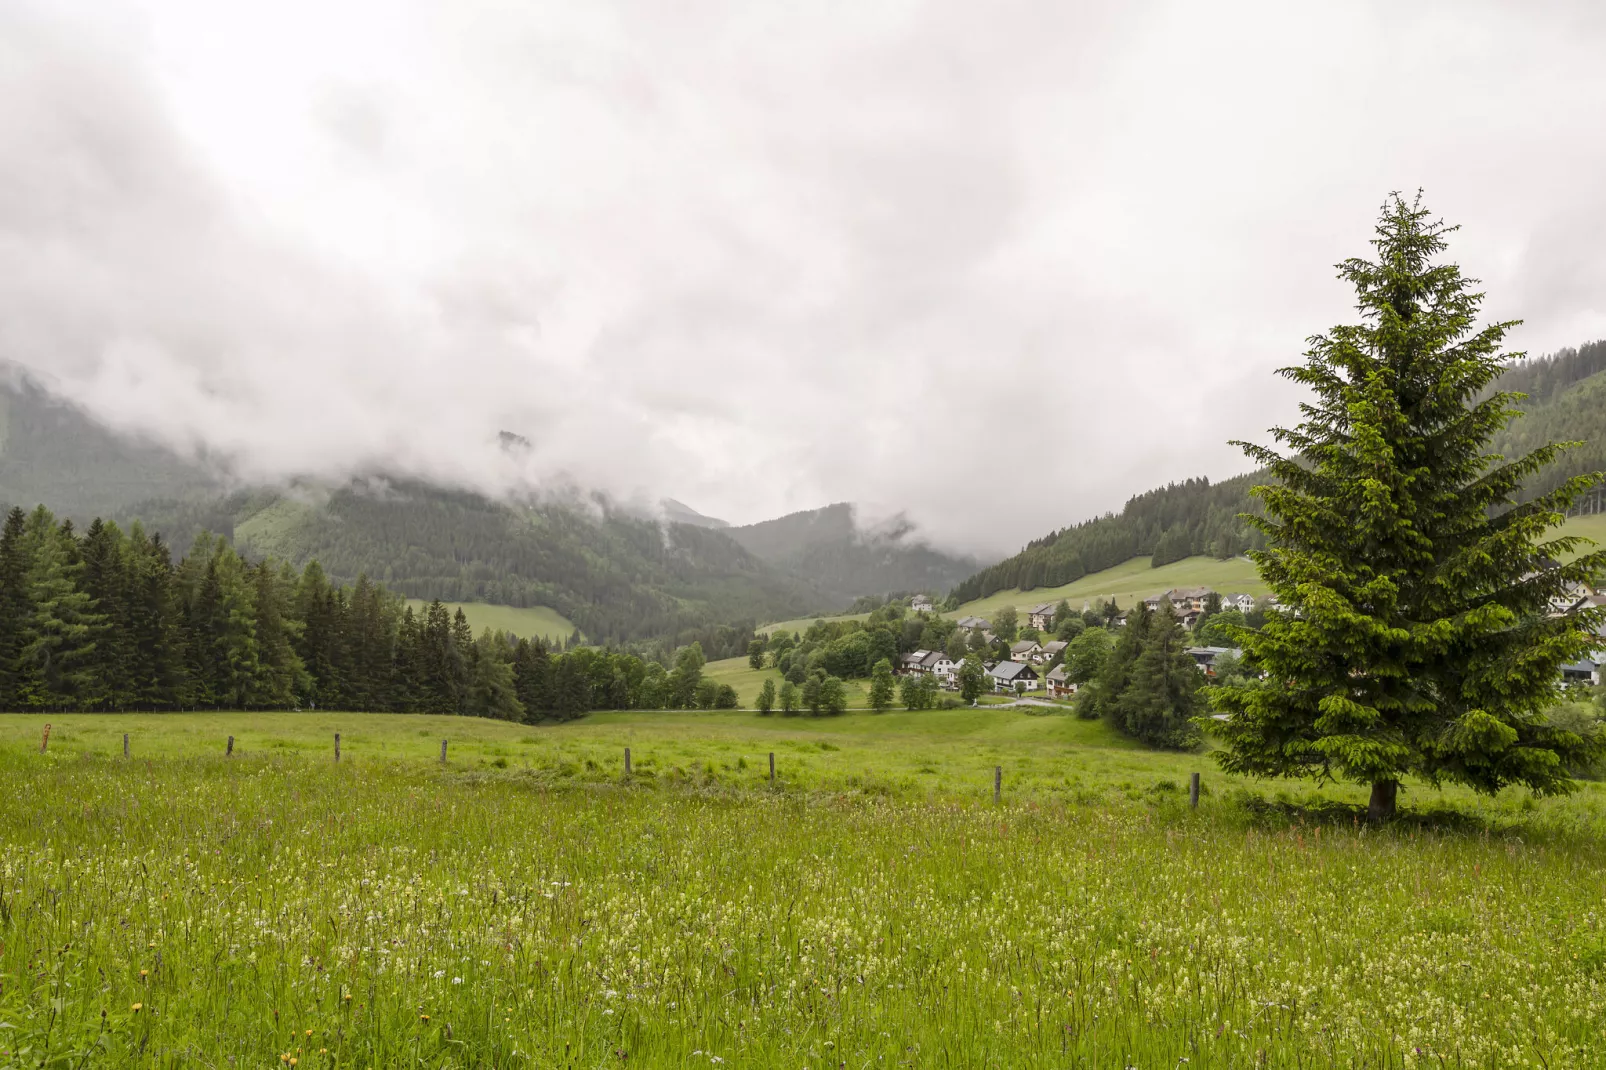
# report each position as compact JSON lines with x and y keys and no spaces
{"x":680,"y":513}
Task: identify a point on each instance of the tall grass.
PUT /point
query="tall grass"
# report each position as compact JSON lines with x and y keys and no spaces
{"x":199,"y":911}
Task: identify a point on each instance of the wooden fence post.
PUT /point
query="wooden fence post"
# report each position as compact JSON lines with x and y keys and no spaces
{"x":627,"y":761}
{"x":44,"y":740}
{"x":1193,"y":791}
{"x":772,"y":769}
{"x":443,"y":752}
{"x":337,"y":747}
{"x":998,"y":783}
{"x":229,"y":751}
{"x":125,"y":744}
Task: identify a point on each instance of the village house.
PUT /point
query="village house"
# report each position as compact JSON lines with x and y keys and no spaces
{"x":1041,"y":616}
{"x":921,"y":603}
{"x":1058,"y":683}
{"x":1243,"y":603}
{"x":912,"y":661}
{"x":974,"y":624}
{"x":1007,"y":674}
{"x":1051,"y":650}
{"x":1024,"y":651}
{"x":1205,"y":657}
{"x":1585,"y":670}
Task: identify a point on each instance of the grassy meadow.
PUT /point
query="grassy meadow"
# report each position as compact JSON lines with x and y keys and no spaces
{"x":528,"y":904}
{"x":529,"y":622}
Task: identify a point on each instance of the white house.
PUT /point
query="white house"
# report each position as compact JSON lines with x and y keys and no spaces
{"x":1243,"y":603}
{"x":1041,"y":616}
{"x":1051,"y":650}
{"x":1025,"y":650}
{"x":1059,"y":684}
{"x":1007,"y":674}
{"x":921,"y":603}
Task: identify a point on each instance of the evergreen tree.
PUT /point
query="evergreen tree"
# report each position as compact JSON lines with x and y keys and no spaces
{"x":532,"y":671}
{"x":1420,"y":641}
{"x":158,"y":637}
{"x":105,"y":580}
{"x":881,"y":686}
{"x":280,"y":674}
{"x":409,"y":676}
{"x":1161,"y":697}
{"x":16,"y":608}
{"x":1115,"y":674}
{"x":54,"y":664}
{"x":571,"y":694}
{"x":236,"y":656}
{"x":493,"y":691}
{"x":463,"y":655}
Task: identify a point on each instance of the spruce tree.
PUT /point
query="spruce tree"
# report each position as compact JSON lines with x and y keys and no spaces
{"x":1161,"y":699}
{"x":1419,"y":640}
{"x":16,"y":609}
{"x":58,"y":635}
{"x":105,"y":579}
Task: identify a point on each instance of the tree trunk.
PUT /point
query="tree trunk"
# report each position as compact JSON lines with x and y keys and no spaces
{"x":1381,"y":808}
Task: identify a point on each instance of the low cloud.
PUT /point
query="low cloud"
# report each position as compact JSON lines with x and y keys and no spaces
{"x":999,"y":266}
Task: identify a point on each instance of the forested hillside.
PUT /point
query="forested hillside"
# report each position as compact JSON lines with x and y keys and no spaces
{"x":51,"y":452}
{"x":827,"y":549}
{"x":617,"y":577}
{"x":1566,"y":402}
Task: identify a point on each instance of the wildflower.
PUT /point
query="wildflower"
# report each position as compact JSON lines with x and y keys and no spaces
{"x":423,"y":1017}
{"x":136,"y":1007}
{"x":309,"y":1032}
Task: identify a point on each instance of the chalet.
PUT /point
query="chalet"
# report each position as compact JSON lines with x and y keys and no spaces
{"x":1007,"y":674}
{"x":912,"y":661}
{"x":1052,"y":650}
{"x":1024,"y":651}
{"x":1586,"y":670}
{"x":921,"y":603}
{"x":1243,"y":603}
{"x":1205,"y":657}
{"x":1041,"y":616}
{"x":944,"y":668}
{"x":1058,"y":683}
{"x":1188,"y":599}
{"x":974,"y":624}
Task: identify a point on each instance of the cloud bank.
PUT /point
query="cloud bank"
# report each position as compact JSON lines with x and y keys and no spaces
{"x":999,"y":265}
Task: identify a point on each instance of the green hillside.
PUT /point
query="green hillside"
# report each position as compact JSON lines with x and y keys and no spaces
{"x":527,"y":622}
{"x":1127,"y":583}
{"x":1566,"y":402}
{"x":615,"y":576}
{"x":827,"y":549}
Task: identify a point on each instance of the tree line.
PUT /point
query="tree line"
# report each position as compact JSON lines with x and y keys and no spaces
{"x":107,"y":620}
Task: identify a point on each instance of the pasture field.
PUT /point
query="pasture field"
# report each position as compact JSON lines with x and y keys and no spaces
{"x":528,"y":622}
{"x":528,"y":905}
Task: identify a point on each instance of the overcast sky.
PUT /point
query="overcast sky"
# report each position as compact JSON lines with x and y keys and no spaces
{"x":1001,"y":264}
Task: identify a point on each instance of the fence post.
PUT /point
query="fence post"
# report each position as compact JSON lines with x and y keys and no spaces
{"x":337,"y":747}
{"x":443,"y":752}
{"x":998,"y":783}
{"x":1193,"y":791}
{"x":772,"y":769}
{"x":125,"y":744}
{"x":44,"y":741}
{"x":627,"y":761}
{"x":229,"y":751}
